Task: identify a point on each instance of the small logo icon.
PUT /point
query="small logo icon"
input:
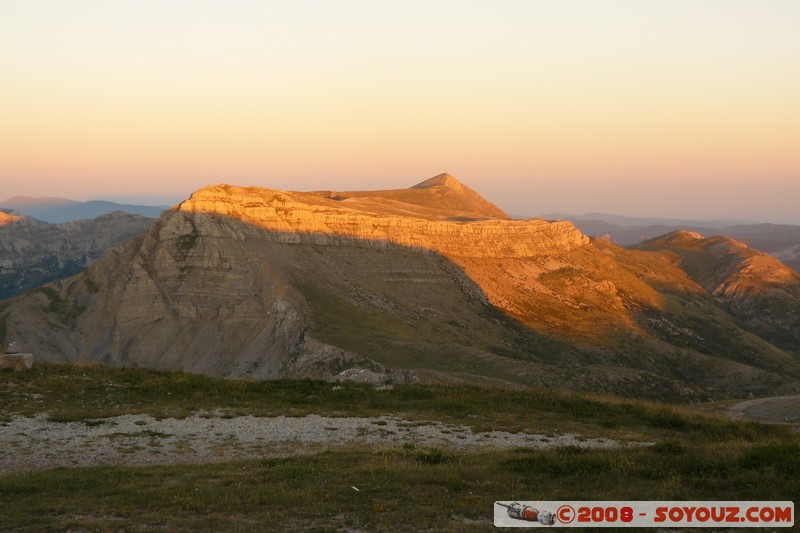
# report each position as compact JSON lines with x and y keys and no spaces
{"x":528,"y":513}
{"x":565,"y":514}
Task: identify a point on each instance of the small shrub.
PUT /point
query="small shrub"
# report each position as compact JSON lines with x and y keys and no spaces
{"x":431,"y":456}
{"x":186,"y":242}
{"x":415,"y":392}
{"x":781,"y":457}
{"x":668,"y":420}
{"x":91,"y":285}
{"x":668,"y":447}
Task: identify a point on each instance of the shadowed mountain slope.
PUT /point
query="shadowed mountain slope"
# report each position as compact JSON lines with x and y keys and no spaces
{"x":245,"y":281}
{"x":33,"y":253}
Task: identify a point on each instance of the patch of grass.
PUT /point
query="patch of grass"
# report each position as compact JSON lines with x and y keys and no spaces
{"x":426,"y":456}
{"x":92,"y":393}
{"x":398,"y":489}
{"x":379,"y":333}
{"x":185,"y":243}
{"x":67,"y":310}
{"x":52,"y":296}
{"x":778,"y":457}
{"x":91,"y":285}
{"x":147,"y":433}
{"x":668,"y":447}
{"x":419,"y":343}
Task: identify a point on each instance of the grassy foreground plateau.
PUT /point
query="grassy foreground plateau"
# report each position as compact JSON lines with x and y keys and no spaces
{"x":667,"y":452}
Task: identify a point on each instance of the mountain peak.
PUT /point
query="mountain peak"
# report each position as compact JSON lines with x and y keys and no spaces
{"x":685,"y":234}
{"x":676,"y":237}
{"x":445,"y":189}
{"x":442,"y":180}
{"x":440,"y":197}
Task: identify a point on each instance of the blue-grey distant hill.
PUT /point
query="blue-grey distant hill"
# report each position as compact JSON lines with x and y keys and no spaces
{"x":59,"y":210}
{"x":627,"y":221}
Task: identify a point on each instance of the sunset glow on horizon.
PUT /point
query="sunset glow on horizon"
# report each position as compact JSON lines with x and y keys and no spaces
{"x":664,"y":108}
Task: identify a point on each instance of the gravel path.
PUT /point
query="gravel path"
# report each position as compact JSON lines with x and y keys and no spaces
{"x":36,"y":443}
{"x":784,"y":409}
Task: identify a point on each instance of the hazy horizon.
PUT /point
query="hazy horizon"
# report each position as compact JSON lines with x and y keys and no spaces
{"x":173,"y":200}
{"x":675,"y":109}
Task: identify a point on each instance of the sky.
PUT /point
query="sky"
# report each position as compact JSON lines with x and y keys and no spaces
{"x":678,"y":108}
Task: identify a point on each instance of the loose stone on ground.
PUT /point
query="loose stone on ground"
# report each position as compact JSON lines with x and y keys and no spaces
{"x":36,"y":443}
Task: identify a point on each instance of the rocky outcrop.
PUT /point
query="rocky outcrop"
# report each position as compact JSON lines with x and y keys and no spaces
{"x":18,"y":362}
{"x":790,"y":256}
{"x":33,"y":253}
{"x":308,"y":219}
{"x":13,"y":359}
{"x":756,"y":286}
{"x":8,"y":218}
{"x":726,"y":267}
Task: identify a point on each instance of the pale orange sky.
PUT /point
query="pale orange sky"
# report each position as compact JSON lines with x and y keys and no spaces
{"x":662,"y":108}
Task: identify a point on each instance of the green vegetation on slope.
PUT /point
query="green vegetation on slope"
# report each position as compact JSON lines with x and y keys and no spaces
{"x":73,"y":393}
{"x":481,"y":344}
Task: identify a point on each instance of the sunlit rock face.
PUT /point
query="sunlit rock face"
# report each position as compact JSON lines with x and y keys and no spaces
{"x":8,"y":218}
{"x":312,"y":219}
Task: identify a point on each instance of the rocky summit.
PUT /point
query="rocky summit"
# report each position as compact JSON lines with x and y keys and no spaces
{"x":430,"y":283}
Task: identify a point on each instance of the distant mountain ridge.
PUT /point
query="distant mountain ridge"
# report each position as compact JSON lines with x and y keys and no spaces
{"x":779,"y":240}
{"x":33,"y":253}
{"x":628,"y":221}
{"x":59,"y":210}
{"x":247,"y":281}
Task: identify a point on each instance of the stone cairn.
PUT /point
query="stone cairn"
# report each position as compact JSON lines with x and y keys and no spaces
{"x":13,"y":359}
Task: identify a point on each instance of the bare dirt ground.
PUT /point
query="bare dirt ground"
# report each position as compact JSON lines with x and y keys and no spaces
{"x":775,"y":409}
{"x":30,"y":443}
